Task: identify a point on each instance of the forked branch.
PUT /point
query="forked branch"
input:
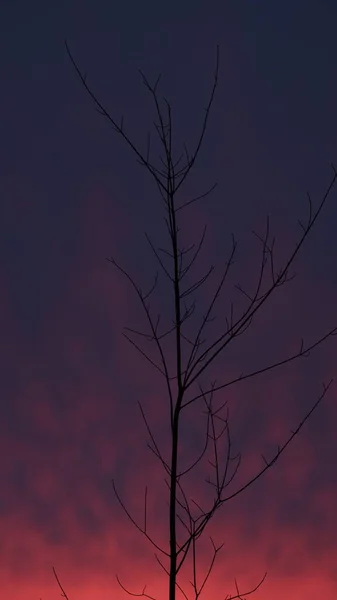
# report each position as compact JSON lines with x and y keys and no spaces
{"x":176,"y":262}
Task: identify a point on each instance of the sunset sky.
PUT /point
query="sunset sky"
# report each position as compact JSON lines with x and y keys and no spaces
{"x":73,"y":194}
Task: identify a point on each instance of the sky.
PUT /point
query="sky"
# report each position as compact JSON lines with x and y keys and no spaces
{"x":73,"y":194}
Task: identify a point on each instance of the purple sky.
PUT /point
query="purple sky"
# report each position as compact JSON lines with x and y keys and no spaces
{"x":73,"y":194}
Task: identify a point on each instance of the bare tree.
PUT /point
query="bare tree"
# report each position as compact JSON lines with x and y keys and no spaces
{"x":193,"y":354}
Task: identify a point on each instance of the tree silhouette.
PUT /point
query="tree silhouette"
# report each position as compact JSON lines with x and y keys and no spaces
{"x":194,"y":353}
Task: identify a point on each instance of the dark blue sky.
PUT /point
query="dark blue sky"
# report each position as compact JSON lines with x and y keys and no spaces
{"x":72,"y":194}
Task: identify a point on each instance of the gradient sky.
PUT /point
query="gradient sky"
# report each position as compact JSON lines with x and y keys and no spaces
{"x":73,"y":194}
